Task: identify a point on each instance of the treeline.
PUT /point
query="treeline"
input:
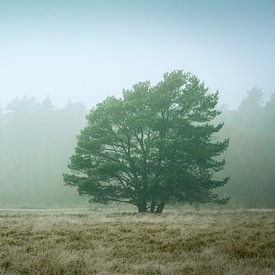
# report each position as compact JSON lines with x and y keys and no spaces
{"x":251,"y":153}
{"x":36,"y":140}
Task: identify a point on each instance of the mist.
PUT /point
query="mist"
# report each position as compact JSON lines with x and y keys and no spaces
{"x":37,"y":139}
{"x":137,"y":137}
{"x":88,"y":50}
{"x":54,"y":54}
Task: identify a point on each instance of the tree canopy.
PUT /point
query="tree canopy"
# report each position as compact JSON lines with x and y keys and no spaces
{"x":152,"y":146}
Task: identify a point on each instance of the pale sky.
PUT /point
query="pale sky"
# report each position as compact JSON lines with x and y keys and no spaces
{"x":86,"y":50}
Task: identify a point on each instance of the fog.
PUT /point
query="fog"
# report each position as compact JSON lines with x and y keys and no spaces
{"x":86,"y":50}
{"x":58,"y":59}
{"x":37,"y":139}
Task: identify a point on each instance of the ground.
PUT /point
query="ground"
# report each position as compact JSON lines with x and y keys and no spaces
{"x":108,"y":241}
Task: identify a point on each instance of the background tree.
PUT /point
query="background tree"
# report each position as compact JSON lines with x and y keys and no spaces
{"x":36,"y":140}
{"x":151,"y":147}
{"x":251,"y":156}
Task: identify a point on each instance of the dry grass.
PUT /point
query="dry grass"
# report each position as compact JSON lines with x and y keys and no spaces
{"x":108,"y":242}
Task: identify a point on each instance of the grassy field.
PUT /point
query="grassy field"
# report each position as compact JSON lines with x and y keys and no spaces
{"x":87,"y":241}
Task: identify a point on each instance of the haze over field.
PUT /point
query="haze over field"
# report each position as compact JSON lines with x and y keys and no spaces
{"x":102,"y":171}
{"x":55,"y":52}
{"x":86,"y":50}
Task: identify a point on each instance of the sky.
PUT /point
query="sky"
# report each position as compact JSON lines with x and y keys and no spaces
{"x":84,"y":51}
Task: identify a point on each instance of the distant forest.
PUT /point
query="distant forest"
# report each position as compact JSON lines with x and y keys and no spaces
{"x":36,"y":140}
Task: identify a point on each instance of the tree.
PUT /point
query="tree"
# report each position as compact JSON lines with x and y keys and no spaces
{"x":36,"y":139}
{"x":251,"y":156}
{"x":152,"y":146}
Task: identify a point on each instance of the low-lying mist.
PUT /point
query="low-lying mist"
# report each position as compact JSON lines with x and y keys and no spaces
{"x":37,"y":138}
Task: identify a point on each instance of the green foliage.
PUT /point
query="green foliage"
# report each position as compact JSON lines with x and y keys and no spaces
{"x":152,"y":146}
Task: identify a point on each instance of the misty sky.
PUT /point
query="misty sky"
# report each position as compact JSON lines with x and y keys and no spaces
{"x":85,"y":50}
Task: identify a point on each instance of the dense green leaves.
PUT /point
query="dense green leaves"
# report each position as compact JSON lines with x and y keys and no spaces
{"x":152,"y":146}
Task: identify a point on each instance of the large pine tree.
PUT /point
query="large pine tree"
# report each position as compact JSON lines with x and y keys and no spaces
{"x":152,"y":146}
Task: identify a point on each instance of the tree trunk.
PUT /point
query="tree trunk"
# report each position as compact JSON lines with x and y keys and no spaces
{"x":141,"y":208}
{"x":153,"y":206}
{"x":160,"y":207}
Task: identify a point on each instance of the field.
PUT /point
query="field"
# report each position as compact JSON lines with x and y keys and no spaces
{"x":106,"y":241}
